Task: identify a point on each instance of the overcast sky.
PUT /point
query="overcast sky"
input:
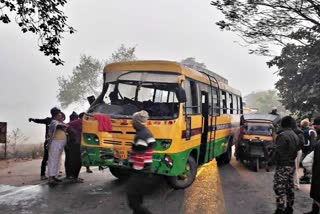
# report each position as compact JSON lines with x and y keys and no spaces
{"x":164,"y":30}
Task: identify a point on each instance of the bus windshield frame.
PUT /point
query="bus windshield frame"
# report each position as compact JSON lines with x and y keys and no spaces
{"x":125,"y":96}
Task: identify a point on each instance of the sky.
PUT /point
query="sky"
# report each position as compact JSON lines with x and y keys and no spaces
{"x":160,"y":30}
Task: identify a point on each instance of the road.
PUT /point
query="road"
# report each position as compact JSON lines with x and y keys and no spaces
{"x":230,"y":189}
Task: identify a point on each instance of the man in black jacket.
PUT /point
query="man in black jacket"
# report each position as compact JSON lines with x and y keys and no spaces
{"x":287,"y":146}
{"x":46,"y":121}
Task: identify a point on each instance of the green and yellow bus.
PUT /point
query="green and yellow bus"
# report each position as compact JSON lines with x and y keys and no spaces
{"x":193,"y":117}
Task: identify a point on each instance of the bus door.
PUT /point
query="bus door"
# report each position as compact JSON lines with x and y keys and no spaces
{"x":205,"y":121}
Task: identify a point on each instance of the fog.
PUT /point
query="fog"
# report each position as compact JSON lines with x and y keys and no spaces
{"x":162,"y":30}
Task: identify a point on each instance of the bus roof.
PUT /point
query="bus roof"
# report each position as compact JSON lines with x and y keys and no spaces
{"x":170,"y":66}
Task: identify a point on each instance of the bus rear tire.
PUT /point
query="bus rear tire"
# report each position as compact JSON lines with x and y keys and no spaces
{"x":120,"y":173}
{"x":225,"y":158}
{"x":186,"y":179}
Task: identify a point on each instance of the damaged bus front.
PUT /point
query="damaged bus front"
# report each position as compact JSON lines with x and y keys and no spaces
{"x":193,"y":117}
{"x":124,"y":93}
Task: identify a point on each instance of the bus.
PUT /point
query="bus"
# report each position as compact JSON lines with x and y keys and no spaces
{"x":193,"y":116}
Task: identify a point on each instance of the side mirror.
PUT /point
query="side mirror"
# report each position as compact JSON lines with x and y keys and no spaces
{"x":181,"y":95}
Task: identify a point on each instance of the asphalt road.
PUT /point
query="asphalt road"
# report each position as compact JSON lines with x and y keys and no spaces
{"x":231,"y":189}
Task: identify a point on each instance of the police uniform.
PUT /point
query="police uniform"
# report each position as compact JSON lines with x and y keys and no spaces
{"x":287,"y":146}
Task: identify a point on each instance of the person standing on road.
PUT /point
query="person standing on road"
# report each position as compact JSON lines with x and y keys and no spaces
{"x":67,"y":162}
{"x":300,"y":135}
{"x":287,"y":146}
{"x":140,"y":181}
{"x":308,"y":146}
{"x":315,"y":181}
{"x":57,"y":141}
{"x":46,"y":121}
{"x":74,"y":140}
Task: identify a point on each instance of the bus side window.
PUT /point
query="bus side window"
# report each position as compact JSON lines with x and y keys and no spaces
{"x":192,"y":93}
{"x":235,"y":104}
{"x":223,"y":103}
{"x":215,"y":105}
{"x":240,"y":105}
{"x":194,"y":97}
{"x":230,"y":102}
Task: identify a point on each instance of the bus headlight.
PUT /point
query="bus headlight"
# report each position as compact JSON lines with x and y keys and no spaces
{"x":91,"y":139}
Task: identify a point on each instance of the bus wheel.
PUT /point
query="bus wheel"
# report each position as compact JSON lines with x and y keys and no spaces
{"x":120,"y":173}
{"x":186,"y":179}
{"x":225,"y":158}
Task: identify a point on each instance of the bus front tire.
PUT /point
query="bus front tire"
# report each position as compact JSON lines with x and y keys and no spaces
{"x":186,"y":179}
{"x":121,"y":174}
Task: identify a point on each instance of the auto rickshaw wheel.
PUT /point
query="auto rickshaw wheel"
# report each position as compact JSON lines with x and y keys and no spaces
{"x":256,"y":165}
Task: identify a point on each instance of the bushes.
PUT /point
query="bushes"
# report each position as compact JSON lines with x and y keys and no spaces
{"x":22,"y":151}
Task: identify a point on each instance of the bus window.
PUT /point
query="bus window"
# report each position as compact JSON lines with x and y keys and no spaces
{"x":205,"y":88}
{"x":192,"y":104}
{"x":213,"y":102}
{"x":223,"y":104}
{"x":194,"y":97}
{"x":172,"y":98}
{"x":145,"y":94}
{"x":216,"y":108}
{"x":240,"y":105}
{"x":127,"y":90}
{"x":230,"y":103}
{"x":235,"y":104}
{"x":161,"y":96}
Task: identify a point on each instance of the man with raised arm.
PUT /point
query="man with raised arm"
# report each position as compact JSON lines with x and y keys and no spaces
{"x":46,"y":121}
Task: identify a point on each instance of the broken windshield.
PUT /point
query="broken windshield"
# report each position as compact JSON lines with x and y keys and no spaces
{"x":125,"y":97}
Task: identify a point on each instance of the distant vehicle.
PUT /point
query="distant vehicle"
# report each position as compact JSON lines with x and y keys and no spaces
{"x":193,"y":115}
{"x":257,"y":139}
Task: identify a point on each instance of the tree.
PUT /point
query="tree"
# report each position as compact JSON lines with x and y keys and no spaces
{"x":44,"y":18}
{"x":192,"y":63}
{"x":293,"y":24}
{"x":86,"y":78}
{"x":264,"y":101}
{"x":16,"y":137}
{"x":265,"y":22}
{"x":299,"y":69}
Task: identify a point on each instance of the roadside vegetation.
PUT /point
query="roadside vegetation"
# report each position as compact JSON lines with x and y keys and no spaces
{"x":18,"y":149}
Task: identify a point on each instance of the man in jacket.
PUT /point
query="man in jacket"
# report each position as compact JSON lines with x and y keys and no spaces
{"x":74,"y":140}
{"x":287,"y":146}
{"x":140,"y":159}
{"x":46,"y":121}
